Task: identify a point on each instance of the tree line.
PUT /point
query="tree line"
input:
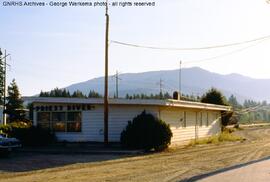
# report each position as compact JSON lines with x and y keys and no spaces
{"x":56,"y":92}
{"x":15,"y":107}
{"x":65,"y":93}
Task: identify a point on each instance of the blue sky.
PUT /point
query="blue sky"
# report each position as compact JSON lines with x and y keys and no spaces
{"x":55,"y":47}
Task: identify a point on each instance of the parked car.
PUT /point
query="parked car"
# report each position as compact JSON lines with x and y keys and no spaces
{"x":8,"y":144}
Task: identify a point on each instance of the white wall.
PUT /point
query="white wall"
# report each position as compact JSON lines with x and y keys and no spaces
{"x":185,"y":123}
{"x":175,"y":117}
{"x":92,"y":123}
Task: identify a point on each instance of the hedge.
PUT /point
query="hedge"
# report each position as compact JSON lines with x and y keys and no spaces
{"x":29,"y":135}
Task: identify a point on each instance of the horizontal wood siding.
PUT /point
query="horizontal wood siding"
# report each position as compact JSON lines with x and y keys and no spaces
{"x":195,"y":126}
{"x":175,"y":118}
{"x":92,"y":122}
{"x":119,"y":117}
{"x":214,"y":125}
{"x":186,"y":124}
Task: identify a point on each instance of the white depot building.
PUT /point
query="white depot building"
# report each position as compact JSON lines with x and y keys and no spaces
{"x":81,"y":120}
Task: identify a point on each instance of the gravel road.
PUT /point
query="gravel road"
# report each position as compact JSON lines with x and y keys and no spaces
{"x":177,"y":164}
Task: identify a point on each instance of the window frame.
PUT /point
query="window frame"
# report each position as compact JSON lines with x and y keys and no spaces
{"x":51,"y":122}
{"x":73,"y":122}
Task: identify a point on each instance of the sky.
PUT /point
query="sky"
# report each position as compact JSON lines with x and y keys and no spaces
{"x":55,"y":46}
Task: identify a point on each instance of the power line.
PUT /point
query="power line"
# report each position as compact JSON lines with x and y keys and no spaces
{"x":251,"y":109}
{"x":189,"y":48}
{"x":224,"y":55}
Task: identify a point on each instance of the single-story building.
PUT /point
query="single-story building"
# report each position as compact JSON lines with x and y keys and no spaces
{"x":81,"y":120}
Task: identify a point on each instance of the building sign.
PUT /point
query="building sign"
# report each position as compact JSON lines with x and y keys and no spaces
{"x":70,"y":107}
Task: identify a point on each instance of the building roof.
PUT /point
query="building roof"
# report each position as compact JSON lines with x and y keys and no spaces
{"x":141,"y":102}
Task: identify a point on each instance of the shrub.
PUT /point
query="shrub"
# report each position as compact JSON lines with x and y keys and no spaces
{"x":229,"y":118}
{"x":29,"y":135}
{"x":226,"y":136}
{"x":5,"y":129}
{"x":146,"y":132}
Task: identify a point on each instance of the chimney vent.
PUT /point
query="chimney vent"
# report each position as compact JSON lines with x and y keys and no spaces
{"x":176,"y":95}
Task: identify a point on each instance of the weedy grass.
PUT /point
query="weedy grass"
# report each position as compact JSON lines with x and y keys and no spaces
{"x":222,"y":137}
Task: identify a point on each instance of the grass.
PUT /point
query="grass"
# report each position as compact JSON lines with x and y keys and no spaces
{"x":222,"y":137}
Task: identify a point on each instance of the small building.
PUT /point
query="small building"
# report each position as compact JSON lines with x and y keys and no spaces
{"x":81,"y":120}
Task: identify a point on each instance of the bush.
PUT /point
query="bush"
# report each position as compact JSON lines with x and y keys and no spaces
{"x":5,"y":129}
{"x":146,"y":132}
{"x":229,"y":118}
{"x":29,"y":135}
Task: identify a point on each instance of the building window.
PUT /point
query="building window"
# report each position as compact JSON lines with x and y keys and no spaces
{"x":74,"y":122}
{"x":43,"y":119}
{"x":60,"y":121}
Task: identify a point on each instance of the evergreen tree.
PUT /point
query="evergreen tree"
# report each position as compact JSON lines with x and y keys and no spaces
{"x":93,"y":94}
{"x":214,"y":96}
{"x":167,"y":96}
{"x":233,"y":102}
{"x":78,"y":94}
{"x":14,"y":103}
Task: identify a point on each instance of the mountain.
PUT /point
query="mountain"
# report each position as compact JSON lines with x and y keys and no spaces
{"x":195,"y":81}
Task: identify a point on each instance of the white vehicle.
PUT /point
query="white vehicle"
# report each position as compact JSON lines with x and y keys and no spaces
{"x":7,"y":144}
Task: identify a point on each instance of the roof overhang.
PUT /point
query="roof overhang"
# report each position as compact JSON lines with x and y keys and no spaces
{"x":141,"y":102}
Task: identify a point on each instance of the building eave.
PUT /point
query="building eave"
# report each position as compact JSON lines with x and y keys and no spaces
{"x":141,"y":102}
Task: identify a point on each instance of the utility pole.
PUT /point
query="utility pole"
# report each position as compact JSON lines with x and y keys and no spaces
{"x":160,"y":88}
{"x":4,"y":91}
{"x":116,"y":79}
{"x":5,"y":75}
{"x":106,"y":104}
{"x":180,"y":79}
{"x":4,"y":82}
{"x":117,"y":84}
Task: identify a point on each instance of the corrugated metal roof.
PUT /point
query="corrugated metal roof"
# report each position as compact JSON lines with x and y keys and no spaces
{"x":150,"y":102}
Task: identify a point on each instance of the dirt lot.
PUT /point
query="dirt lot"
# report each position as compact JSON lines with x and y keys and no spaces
{"x":174,"y":165}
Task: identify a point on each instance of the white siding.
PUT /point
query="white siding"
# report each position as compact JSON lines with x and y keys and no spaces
{"x":89,"y":129}
{"x":175,"y":117}
{"x":186,"y":124}
{"x":92,"y":123}
{"x":119,"y":117}
{"x":214,"y":124}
